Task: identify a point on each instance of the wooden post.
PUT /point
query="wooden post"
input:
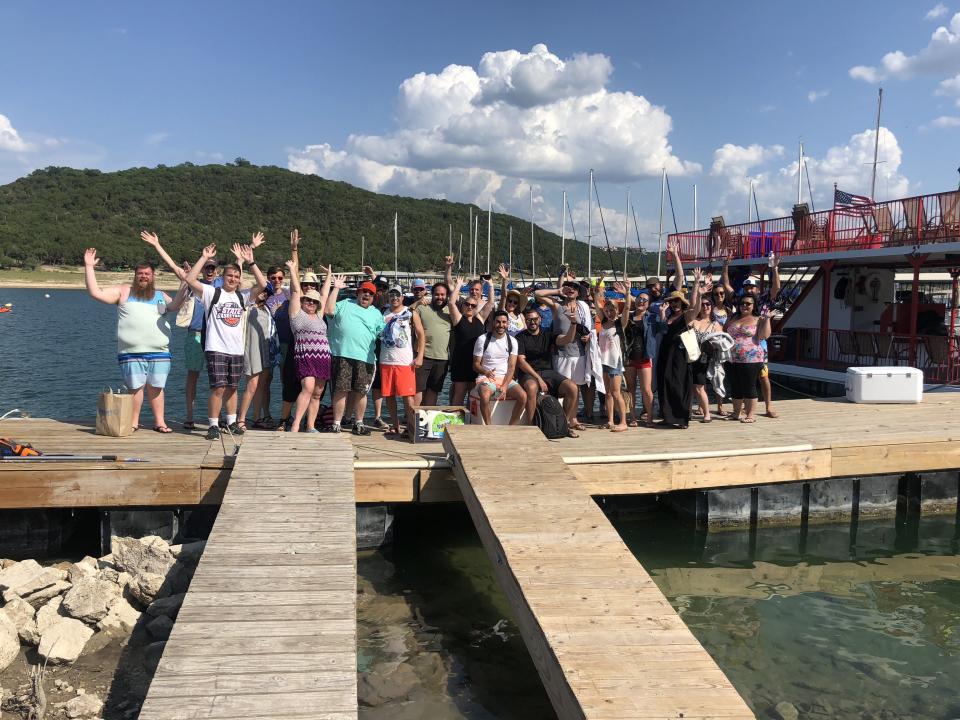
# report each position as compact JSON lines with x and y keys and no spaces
{"x":827,"y":268}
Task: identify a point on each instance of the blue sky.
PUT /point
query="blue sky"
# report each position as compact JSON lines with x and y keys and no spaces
{"x":718,"y":92}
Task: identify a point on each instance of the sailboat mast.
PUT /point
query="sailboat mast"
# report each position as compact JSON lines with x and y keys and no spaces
{"x":510,"y":251}
{"x":749,"y":198}
{"x":696,"y":215}
{"x":626,"y":229}
{"x":489,"y":224}
{"x":563,"y":226}
{"x":876,"y":145}
{"x":590,"y":226}
{"x":396,"y":273}
{"x":799,"y":175}
{"x":663,"y":190}
{"x":476,"y":243}
{"x":470,"y":231}
{"x":362,"y":243}
{"x":533,"y":257}
{"x":450,"y":240}
{"x":460,"y":255}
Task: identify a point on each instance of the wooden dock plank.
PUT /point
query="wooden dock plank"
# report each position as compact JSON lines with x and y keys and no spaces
{"x":272,"y":591}
{"x":588,"y":612}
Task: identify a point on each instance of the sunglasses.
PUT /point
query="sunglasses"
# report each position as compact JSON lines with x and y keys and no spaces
{"x":470,"y":305}
{"x":277,"y":277}
{"x":643,"y":300}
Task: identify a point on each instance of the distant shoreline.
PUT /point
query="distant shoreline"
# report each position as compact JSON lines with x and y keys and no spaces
{"x":58,"y":278}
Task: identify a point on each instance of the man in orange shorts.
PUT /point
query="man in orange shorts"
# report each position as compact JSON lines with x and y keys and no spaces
{"x":399,"y":360}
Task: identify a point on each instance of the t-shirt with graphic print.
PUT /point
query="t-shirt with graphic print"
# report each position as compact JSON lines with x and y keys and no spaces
{"x":225,"y":320}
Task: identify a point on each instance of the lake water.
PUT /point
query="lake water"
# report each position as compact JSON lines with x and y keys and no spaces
{"x":868,"y":628}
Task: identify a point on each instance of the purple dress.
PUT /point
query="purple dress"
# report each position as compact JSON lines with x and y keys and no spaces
{"x":311,"y":350}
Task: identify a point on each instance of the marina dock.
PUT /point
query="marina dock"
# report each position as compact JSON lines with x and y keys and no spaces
{"x":605,"y":640}
{"x":812,"y":439}
{"x":268,"y":627}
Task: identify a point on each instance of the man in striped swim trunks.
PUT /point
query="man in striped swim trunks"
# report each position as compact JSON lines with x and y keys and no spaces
{"x":143,"y":334}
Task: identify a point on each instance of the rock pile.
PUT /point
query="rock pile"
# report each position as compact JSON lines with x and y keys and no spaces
{"x":58,"y":609}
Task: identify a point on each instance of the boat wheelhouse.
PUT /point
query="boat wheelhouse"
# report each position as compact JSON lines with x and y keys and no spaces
{"x":840,"y":303}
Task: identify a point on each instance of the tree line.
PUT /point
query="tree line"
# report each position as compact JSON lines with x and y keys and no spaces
{"x":52,"y":215}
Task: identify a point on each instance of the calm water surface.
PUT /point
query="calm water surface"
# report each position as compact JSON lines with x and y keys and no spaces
{"x":859,"y":625}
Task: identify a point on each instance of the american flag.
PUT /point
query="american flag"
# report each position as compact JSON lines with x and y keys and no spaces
{"x":843,"y":199}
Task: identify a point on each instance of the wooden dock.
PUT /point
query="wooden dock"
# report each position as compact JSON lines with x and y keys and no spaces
{"x":268,"y":627}
{"x":812,"y":439}
{"x":605,"y":640}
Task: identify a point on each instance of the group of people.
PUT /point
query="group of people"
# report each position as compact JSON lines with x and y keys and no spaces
{"x":576,"y":341}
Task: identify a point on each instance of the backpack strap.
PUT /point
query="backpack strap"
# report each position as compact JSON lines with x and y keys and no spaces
{"x":213,"y":302}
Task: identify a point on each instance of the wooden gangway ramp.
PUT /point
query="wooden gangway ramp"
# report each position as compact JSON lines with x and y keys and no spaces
{"x":268,"y":626}
{"x":605,"y":640}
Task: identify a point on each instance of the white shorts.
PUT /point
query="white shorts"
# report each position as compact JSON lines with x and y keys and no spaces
{"x":572,"y":368}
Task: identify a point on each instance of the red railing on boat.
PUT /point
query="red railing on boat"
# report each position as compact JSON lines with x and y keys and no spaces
{"x":908,"y":221}
{"x":938,"y":356}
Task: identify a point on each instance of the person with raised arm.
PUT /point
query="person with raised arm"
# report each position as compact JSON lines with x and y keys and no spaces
{"x":261,"y":346}
{"x":674,"y":375}
{"x":192,"y":340}
{"x":435,"y":319}
{"x":747,"y":356}
{"x":224,"y":341}
{"x":311,"y":349}
{"x":511,"y":301}
{"x":143,"y":333}
{"x":612,"y":352}
{"x":354,"y":326}
{"x":401,"y":353}
{"x":468,"y":322}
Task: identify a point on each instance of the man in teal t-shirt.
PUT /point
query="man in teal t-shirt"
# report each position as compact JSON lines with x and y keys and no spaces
{"x":353,"y":329}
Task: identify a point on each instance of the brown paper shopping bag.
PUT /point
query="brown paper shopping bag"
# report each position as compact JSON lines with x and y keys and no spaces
{"x":114,"y":413}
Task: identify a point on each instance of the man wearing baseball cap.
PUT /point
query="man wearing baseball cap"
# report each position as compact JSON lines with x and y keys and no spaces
{"x":419,"y":289}
{"x":354,"y":326}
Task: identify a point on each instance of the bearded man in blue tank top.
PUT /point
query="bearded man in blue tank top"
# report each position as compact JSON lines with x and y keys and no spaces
{"x":143,"y":333}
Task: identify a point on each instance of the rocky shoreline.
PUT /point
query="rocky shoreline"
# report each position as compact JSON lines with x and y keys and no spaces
{"x":65,"y":623}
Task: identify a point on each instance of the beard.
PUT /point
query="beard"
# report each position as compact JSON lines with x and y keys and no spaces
{"x":437,"y":303}
{"x":142,"y":291}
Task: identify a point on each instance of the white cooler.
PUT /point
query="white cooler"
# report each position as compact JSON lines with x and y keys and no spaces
{"x":884,"y":385}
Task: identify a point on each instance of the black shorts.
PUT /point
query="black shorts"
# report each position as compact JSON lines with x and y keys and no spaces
{"x":552,"y":378}
{"x":289,"y":382}
{"x":223,"y":370}
{"x":351,"y":375}
{"x":699,"y":369}
{"x":743,"y":380}
{"x":431,"y":374}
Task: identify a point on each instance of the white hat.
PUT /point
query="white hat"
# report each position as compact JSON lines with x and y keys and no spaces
{"x":749,"y":282}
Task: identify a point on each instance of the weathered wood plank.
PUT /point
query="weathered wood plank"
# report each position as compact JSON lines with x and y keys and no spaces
{"x":574,"y":586}
{"x":268,"y":626}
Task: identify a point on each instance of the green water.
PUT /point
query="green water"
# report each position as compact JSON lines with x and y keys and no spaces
{"x":841,"y":622}
{"x":838,"y":623}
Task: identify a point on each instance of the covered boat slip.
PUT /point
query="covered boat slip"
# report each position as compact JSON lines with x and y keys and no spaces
{"x":812,"y":439}
{"x":268,"y":626}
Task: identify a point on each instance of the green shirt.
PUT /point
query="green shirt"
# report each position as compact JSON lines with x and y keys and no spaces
{"x":436,"y":329}
{"x":353,"y":331}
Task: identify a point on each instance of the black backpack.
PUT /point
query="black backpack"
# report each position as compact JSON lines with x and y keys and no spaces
{"x":209,"y":312}
{"x":550,"y":418}
{"x":486,"y":342}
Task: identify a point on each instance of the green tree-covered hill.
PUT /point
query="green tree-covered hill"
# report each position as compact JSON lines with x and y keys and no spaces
{"x":52,"y":215}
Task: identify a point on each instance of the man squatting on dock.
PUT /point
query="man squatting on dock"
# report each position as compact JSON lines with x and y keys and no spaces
{"x":573,"y":341}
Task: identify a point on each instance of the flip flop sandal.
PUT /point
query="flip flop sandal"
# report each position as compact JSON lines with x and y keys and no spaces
{"x":748,"y":420}
{"x":572,"y":434}
{"x":578,"y":426}
{"x":632,"y":423}
{"x":162,"y":429}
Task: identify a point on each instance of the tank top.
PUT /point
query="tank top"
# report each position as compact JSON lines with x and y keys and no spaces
{"x":142,"y":326}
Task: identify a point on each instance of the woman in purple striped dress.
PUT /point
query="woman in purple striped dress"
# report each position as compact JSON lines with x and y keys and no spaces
{"x":311,"y":351}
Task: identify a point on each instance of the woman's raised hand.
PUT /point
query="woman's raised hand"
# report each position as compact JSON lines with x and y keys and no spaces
{"x":256,"y":240}
{"x":90,"y":258}
{"x":150,"y":238}
{"x":339,"y":281}
{"x":503,"y":271}
{"x":209,"y":251}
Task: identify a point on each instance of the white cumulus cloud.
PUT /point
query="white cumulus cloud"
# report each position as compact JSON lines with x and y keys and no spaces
{"x":848,"y":165}
{"x":815,"y":95}
{"x":937,"y":11}
{"x":940,"y":56}
{"x":479,"y":133}
{"x":945,"y":122}
{"x":10,"y":139}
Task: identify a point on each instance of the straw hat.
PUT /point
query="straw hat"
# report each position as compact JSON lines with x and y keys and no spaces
{"x":312,"y":295}
{"x":677,"y":295}
{"x":309,"y":277}
{"x":521,"y":299}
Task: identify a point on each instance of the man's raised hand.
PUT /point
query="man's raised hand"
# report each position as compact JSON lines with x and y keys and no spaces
{"x":256,"y":240}
{"x":339,"y":281}
{"x":150,"y":238}
{"x":294,"y":239}
{"x":209,"y":251}
{"x":90,"y":258}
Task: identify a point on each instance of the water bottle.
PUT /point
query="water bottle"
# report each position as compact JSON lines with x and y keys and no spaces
{"x":162,"y":307}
